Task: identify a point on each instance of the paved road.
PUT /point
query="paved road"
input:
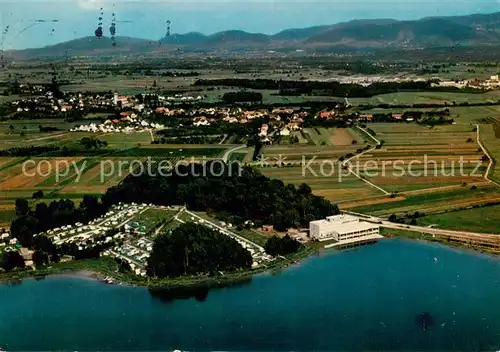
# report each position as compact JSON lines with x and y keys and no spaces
{"x":228,"y":152}
{"x":432,"y":231}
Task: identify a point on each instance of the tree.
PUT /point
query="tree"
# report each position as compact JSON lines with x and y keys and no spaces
{"x":193,"y":249}
{"x":282,"y":246}
{"x":40,"y":258}
{"x":23,"y":228}
{"x":393,"y":218}
{"x":44,"y":244}
{"x":38,"y":194}
{"x":22,"y":207}
{"x":304,"y":189}
{"x":12,"y":260}
{"x":240,"y":191}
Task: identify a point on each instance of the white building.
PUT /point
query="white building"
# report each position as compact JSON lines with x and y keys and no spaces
{"x":342,"y":228}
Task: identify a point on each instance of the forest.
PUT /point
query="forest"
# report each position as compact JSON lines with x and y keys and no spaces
{"x":241,"y":191}
{"x":193,"y":249}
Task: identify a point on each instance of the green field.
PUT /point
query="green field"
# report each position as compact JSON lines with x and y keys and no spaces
{"x":333,"y":184}
{"x":126,"y":140}
{"x":152,"y":217}
{"x":409,"y":98}
{"x":434,"y":202}
{"x":416,"y":157}
{"x":483,"y":220}
{"x":492,"y":143}
{"x":179,"y":151}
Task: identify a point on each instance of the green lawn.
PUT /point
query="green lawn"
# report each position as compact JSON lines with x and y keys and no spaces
{"x":180,"y":151}
{"x":424,"y":199}
{"x":152,"y":217}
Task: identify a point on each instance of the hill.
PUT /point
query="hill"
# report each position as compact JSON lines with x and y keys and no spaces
{"x":431,"y":32}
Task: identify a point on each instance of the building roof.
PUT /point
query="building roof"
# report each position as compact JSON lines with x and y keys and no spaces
{"x":343,"y":224}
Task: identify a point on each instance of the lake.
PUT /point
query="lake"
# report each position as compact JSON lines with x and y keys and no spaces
{"x":368,"y":298}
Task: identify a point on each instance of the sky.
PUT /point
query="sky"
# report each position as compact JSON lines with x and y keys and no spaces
{"x":79,"y":18}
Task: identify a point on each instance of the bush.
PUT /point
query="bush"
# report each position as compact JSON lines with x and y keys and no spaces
{"x":281,"y":246}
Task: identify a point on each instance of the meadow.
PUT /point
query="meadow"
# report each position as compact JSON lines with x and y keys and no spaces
{"x":434,"y":202}
{"x":409,"y":98}
{"x":482,"y":219}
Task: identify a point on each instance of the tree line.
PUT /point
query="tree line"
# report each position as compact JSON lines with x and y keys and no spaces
{"x":241,"y":191}
{"x":56,"y":214}
{"x":286,"y":87}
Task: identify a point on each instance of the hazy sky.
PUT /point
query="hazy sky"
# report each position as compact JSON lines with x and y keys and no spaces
{"x":79,"y":18}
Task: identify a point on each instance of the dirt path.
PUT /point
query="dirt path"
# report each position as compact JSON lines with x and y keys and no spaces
{"x":357,"y":156}
{"x":485,"y":151}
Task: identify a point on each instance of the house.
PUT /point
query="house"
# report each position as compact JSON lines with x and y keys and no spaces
{"x":285,"y":132}
{"x":324,"y":114}
{"x":201,"y":121}
{"x":293,"y":125}
{"x":366,"y":116}
{"x":66,"y":108}
{"x":397,"y":116}
{"x":162,"y":110}
{"x":268,"y":228}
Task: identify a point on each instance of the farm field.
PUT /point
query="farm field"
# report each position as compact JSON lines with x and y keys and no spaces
{"x":174,"y":150}
{"x":298,"y":153}
{"x":416,"y":157}
{"x":333,"y":185}
{"x":126,"y":140}
{"x":463,"y":115}
{"x":330,"y":136}
{"x":407,"y":98}
{"x":490,"y":136}
{"x":435,"y":202}
{"x":483,"y":219}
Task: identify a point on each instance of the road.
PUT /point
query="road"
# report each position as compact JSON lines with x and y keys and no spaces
{"x":224,"y":230}
{"x":473,"y":236}
{"x":485,"y":151}
{"x":223,"y":139}
{"x":344,"y":163}
{"x":228,"y":152}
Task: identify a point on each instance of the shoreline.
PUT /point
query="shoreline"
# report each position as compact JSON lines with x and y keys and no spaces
{"x":106,"y":269}
{"x":83,"y":270}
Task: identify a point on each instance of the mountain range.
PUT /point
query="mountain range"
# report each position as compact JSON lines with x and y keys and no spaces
{"x":470,"y":30}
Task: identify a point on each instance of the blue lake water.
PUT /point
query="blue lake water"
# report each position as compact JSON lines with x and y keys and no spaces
{"x":362,"y":299}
